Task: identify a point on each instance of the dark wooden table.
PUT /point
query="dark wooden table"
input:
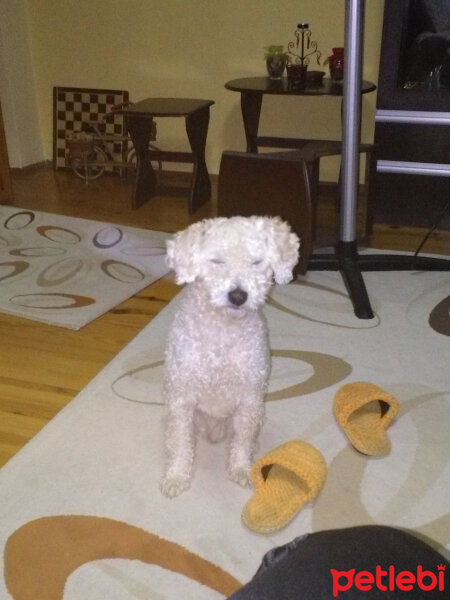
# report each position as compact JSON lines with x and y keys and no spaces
{"x":252,"y":90}
{"x":138,"y":120}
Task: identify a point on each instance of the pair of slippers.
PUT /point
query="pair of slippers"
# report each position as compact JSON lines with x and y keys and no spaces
{"x":291,"y":475}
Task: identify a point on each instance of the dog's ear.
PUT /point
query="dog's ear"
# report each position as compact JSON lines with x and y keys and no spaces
{"x":183,"y":252}
{"x":283,"y":249}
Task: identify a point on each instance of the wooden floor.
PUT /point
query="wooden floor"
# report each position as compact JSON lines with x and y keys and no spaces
{"x":44,"y":367}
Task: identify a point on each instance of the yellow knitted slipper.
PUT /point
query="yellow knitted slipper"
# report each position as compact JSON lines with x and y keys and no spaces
{"x":286,"y":478}
{"x":365,"y":411}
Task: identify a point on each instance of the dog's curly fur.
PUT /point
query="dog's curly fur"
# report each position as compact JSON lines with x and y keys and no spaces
{"x":217,"y":360}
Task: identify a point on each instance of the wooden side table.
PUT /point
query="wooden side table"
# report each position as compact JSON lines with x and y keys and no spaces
{"x":139,"y":119}
{"x":252,"y":90}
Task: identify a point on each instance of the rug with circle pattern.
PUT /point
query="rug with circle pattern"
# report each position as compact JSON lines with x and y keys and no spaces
{"x":67,"y":271}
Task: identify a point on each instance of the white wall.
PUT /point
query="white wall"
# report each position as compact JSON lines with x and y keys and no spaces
{"x":183,"y":48}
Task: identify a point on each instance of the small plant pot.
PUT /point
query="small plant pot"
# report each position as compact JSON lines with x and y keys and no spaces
{"x":296,"y":75}
{"x":276,"y":63}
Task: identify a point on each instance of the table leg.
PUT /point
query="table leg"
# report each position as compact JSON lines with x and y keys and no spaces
{"x":197,"y":130}
{"x":140,"y":129}
{"x":251,"y":110}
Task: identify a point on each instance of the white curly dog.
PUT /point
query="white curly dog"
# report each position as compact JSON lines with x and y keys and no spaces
{"x":217,"y":359}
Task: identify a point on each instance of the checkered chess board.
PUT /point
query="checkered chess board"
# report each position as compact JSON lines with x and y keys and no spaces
{"x":73,"y":107}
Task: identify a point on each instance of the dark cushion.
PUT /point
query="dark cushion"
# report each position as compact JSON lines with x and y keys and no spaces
{"x":437,"y":14}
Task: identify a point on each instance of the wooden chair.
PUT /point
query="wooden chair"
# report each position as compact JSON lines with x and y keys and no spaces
{"x":274,"y":184}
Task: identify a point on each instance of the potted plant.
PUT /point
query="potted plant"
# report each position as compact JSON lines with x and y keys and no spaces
{"x":276,"y":59}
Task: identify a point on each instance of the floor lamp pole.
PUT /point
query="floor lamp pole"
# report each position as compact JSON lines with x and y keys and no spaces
{"x":351,"y":136}
{"x":351,"y":117}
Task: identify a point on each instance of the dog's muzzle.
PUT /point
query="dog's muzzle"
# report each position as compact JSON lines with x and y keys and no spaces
{"x":237,"y":297}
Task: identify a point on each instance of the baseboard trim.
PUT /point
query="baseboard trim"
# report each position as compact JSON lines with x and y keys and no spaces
{"x":32,"y":167}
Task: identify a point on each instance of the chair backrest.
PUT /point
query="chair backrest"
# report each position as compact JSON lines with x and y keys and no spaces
{"x":269,"y":185}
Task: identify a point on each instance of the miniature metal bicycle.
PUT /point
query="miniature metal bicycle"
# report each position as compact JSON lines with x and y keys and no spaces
{"x":91,"y":150}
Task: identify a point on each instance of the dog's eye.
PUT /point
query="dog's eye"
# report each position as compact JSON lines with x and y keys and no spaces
{"x":255,"y":263}
{"x":216,"y":261}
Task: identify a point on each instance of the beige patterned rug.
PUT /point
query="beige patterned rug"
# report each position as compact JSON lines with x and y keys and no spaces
{"x":67,"y":271}
{"x":81,"y":513}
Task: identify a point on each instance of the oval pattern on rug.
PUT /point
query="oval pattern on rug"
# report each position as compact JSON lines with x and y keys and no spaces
{"x":59,"y":234}
{"x":60,"y":272}
{"x":121,"y":271}
{"x":52,"y":301}
{"x":19,"y":220}
{"x":107,"y":237}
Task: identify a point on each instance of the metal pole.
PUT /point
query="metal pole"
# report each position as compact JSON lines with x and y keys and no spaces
{"x":351,"y":109}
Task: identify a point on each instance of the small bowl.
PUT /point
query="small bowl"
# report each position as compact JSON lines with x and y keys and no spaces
{"x":314,"y":77}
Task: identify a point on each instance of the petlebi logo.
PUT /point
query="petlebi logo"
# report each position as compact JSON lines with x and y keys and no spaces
{"x":388,"y":579}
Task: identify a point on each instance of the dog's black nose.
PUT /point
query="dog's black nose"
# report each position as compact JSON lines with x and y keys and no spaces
{"x":237,"y":296}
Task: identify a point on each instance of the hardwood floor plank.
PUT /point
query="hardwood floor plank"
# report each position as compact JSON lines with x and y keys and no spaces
{"x":7,"y":451}
{"x":33,"y":400}
{"x":16,"y":430}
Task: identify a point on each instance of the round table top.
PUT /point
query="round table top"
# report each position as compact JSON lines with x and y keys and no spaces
{"x":165,"y":107}
{"x":264,"y":85}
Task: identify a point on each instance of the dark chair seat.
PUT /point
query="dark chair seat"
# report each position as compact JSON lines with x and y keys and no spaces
{"x":275,"y":184}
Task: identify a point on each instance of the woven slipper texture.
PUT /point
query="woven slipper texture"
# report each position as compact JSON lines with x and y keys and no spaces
{"x":286,"y":478}
{"x":365,"y":411}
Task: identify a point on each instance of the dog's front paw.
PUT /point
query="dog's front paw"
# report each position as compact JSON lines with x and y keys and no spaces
{"x":241,"y":475}
{"x":174,"y":486}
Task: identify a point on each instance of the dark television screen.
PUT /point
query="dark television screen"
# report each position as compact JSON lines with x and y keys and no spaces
{"x":415,"y":56}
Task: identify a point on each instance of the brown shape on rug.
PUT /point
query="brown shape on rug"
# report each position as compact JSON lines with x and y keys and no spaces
{"x":40,"y":555}
{"x":16,"y":268}
{"x":327,"y":370}
{"x":59,"y":234}
{"x":439,"y":319}
{"x":51,"y":301}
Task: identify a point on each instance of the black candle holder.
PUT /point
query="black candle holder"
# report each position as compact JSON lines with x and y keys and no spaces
{"x":300,"y":50}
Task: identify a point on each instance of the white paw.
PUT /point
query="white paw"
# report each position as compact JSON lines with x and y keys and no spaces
{"x":174,"y":486}
{"x":241,"y":475}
